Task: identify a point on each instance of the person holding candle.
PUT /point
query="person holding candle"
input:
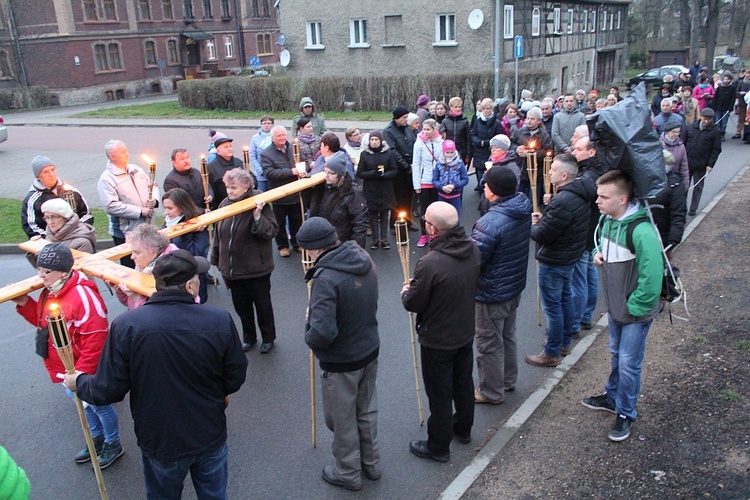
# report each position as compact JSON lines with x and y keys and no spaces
{"x":124,"y":192}
{"x":178,"y":207}
{"x":47,"y":186}
{"x":189,"y":179}
{"x":260,"y":141}
{"x":224,"y":162}
{"x":531,"y":139}
{"x":179,"y":361}
{"x":86,"y":316}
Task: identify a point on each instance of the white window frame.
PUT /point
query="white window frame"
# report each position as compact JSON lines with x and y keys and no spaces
{"x":444,"y":22}
{"x":228,"y":47}
{"x":358,"y":28}
{"x":593,"y":21}
{"x":570,"y":21}
{"x":611,"y":21}
{"x":211,"y":50}
{"x":604,"y":20}
{"x":556,"y":27}
{"x":314,"y":35}
{"x":585,"y":21}
{"x":536,"y":21}
{"x":619,"y":13}
{"x":508,"y":22}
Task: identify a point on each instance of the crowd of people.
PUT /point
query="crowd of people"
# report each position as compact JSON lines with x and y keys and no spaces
{"x":465,"y":289}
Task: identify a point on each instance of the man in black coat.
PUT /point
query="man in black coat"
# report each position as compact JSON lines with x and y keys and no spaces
{"x":442,"y":295}
{"x":703,"y":146}
{"x":561,"y":236}
{"x":224,"y":162}
{"x":400,"y":138}
{"x":183,"y":177}
{"x":723,"y":101}
{"x":177,"y":402}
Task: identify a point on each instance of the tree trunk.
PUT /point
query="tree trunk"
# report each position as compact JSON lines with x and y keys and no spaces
{"x":714,"y":7}
{"x":695,"y":28}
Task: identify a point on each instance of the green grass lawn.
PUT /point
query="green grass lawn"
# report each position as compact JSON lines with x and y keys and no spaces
{"x":172,"y":109}
{"x":10,"y":222}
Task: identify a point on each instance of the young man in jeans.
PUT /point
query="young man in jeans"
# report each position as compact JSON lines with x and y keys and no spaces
{"x":632,"y":284}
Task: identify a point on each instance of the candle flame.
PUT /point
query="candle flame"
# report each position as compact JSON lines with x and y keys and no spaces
{"x":549,"y":153}
{"x":401,"y":216}
{"x":54,"y":310}
{"x":532,"y":144}
{"x":203,"y":157}
{"x":148,"y":159}
{"x":245,"y":148}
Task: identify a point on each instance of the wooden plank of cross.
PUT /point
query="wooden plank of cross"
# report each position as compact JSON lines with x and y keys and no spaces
{"x":101,"y":265}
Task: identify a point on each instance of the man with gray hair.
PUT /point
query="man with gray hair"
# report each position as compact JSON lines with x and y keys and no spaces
{"x":123,"y":191}
{"x":532,"y":138}
{"x":547,"y":107}
{"x":666,"y":116}
{"x":561,"y":237}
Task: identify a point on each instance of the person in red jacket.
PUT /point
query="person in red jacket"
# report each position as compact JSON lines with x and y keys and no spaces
{"x":86,"y":317}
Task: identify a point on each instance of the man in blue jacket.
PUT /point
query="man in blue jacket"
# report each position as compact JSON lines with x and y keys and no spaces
{"x":177,"y":402}
{"x":502,"y":236}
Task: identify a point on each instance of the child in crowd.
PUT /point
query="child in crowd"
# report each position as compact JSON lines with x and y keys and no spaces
{"x":449,"y":176}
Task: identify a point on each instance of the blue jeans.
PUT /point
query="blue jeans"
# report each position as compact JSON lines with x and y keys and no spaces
{"x":721,"y":118}
{"x":585,"y":290}
{"x":557,"y":302}
{"x":102,"y":420}
{"x":209,"y":472}
{"x":627,"y":343}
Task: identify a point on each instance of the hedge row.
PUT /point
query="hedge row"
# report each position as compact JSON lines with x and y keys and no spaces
{"x":366,"y":93}
{"x":34,"y":97}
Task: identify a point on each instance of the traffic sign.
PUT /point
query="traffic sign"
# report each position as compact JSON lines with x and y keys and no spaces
{"x":518,"y":47}
{"x":254,"y":61}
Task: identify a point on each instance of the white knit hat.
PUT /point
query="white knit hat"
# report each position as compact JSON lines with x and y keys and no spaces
{"x":58,"y":206}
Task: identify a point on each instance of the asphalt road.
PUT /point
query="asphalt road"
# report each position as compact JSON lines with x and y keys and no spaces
{"x":269,"y":419}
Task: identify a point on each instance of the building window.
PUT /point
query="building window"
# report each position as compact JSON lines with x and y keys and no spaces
{"x":89,"y":10}
{"x":188,"y":6}
{"x":207,"y":14}
{"x":172,"y":54}
{"x":570,"y":20}
{"x":593,"y":21}
{"x":507,"y":21}
{"x":556,"y":21}
{"x":100,"y":57}
{"x":113,"y":54}
{"x":535,"y":21}
{"x":604,"y":20}
{"x":211,"y":49}
{"x":265,"y":48}
{"x":445,"y":28}
{"x":228,"y":47}
{"x":394,"y":34}
{"x":110,"y":11}
{"x":358,"y":33}
{"x":166,"y":9}
{"x":150,"y":49}
{"x":225,"y":9}
{"x":314,"y":34}
{"x":260,"y":8}
{"x":618,"y":19}
{"x":584,"y":21}
{"x":144,"y":10}
{"x":611,"y":21}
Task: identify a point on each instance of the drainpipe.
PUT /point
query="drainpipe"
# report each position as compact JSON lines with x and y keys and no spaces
{"x":240,"y":36}
{"x":17,"y":46}
{"x":496,"y":86}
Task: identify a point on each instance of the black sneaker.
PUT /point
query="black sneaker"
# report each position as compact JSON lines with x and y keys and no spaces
{"x":110,"y":452}
{"x":84,"y":456}
{"x":586,"y":326}
{"x":600,"y":402}
{"x":621,"y":430}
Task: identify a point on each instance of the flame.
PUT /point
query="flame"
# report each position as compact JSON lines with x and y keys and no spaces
{"x":203,"y":157}
{"x":401,"y":216}
{"x":532,"y":144}
{"x":549,"y":154}
{"x":54,"y":310}
{"x":148,"y":159}
{"x":245,"y":148}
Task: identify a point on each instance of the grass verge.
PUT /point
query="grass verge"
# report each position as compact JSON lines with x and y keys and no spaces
{"x":172,"y":109}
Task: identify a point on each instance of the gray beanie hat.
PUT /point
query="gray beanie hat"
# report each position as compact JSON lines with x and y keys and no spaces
{"x":55,"y":256}
{"x":337,"y":164}
{"x":316,"y":233}
{"x":38,"y":164}
{"x":502,"y":141}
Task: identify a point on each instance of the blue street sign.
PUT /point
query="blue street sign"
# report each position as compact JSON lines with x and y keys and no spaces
{"x":518,"y":47}
{"x":253,"y":61}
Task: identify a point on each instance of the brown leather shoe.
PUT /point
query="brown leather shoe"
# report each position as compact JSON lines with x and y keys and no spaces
{"x":543,"y":360}
{"x":480,"y":399}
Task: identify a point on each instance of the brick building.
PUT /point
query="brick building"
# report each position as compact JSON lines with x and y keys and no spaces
{"x":98,"y":50}
{"x":582,"y":43}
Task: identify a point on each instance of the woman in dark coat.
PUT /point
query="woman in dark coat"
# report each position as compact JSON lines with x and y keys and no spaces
{"x":377,"y":168}
{"x":458,"y":130}
{"x":483,"y":130}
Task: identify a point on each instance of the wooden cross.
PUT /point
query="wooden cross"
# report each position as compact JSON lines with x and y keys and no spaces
{"x":102,"y":265}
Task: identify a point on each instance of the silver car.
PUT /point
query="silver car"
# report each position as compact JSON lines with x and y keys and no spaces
{"x":3,"y":131}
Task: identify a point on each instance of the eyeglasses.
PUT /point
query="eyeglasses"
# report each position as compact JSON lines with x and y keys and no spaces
{"x":50,"y":218}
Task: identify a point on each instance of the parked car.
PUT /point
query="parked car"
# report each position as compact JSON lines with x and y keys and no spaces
{"x":653,"y":76}
{"x":3,"y":131}
{"x":676,"y":67}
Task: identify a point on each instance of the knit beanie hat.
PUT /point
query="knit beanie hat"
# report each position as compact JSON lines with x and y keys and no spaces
{"x":501,"y":180}
{"x":449,"y":145}
{"x":399,"y":111}
{"x":672,"y":125}
{"x":411,"y":118}
{"x":58,"y":206}
{"x":217,"y":135}
{"x":316,"y":233}
{"x":423,"y":99}
{"x":501,"y":141}
{"x":38,"y":164}
{"x":377,"y":133}
{"x":14,"y":484}
{"x":55,"y":256}
{"x":337,"y":163}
